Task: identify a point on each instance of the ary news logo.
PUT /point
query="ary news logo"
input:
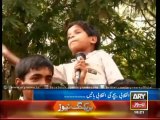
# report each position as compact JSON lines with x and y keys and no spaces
{"x":76,"y":106}
{"x":139,"y":100}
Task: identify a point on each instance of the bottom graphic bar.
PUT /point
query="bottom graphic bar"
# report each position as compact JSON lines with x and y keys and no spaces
{"x":74,"y":109}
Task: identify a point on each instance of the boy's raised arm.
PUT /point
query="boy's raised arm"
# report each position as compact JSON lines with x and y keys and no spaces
{"x":9,"y":55}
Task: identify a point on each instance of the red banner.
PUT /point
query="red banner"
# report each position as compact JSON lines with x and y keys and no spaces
{"x":74,"y":109}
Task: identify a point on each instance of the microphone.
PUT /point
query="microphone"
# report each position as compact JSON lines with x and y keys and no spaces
{"x":79,"y":56}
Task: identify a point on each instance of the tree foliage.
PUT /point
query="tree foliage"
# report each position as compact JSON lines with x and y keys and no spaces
{"x":38,"y":27}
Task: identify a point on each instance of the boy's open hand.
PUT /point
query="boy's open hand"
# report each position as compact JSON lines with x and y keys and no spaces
{"x":4,"y":49}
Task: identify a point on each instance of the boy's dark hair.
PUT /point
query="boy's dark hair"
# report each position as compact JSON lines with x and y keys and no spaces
{"x":90,"y":30}
{"x":32,"y":62}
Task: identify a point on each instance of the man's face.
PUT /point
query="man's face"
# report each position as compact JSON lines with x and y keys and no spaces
{"x":40,"y":76}
{"x":78,"y":39}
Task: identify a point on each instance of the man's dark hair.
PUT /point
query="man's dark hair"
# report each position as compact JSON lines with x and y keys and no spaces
{"x":90,"y":30}
{"x":32,"y":62}
{"x":124,"y":83}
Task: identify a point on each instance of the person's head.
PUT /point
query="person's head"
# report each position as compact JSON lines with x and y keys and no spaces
{"x":33,"y":70}
{"x":82,"y":37}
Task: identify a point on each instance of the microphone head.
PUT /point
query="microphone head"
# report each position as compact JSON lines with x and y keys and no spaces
{"x":80,"y":55}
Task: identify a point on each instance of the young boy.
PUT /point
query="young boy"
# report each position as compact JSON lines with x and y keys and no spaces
{"x":98,"y":68}
{"x":31,"y":71}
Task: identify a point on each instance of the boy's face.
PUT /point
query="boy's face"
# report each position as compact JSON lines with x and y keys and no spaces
{"x":79,"y":41}
{"x":40,"y":76}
